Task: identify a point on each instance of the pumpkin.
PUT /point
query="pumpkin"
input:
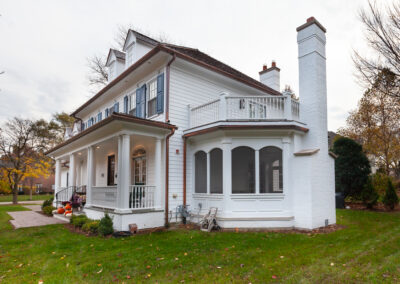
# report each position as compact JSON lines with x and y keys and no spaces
{"x":68,"y":207}
{"x":60,"y":210}
{"x":68,"y":212}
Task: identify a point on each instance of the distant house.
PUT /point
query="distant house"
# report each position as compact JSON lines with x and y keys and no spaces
{"x":40,"y":185}
{"x":175,"y":126}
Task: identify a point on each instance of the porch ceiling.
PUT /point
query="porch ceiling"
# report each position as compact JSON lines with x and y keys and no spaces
{"x":271,"y":126}
{"x":113,"y":125}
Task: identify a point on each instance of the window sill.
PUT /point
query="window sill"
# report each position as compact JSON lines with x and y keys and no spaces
{"x":210,"y":196}
{"x":257,"y":196}
{"x":154,"y":116}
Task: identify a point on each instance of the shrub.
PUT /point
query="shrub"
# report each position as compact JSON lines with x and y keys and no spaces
{"x":106,"y":226}
{"x":390,"y":199}
{"x":369,"y":196}
{"x":48,"y":210}
{"x":379,"y":181}
{"x":79,"y":220}
{"x":48,"y":202}
{"x":91,"y":226}
{"x":351,"y":167}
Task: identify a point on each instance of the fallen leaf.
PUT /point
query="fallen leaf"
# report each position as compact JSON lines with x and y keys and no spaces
{"x":332,"y":264}
{"x":53,"y":252}
{"x":176,"y":258}
{"x":67,"y":265}
{"x":148,"y":266}
{"x":40,"y":282}
{"x":274,"y":277}
{"x":128,"y":277}
{"x":20,"y":265}
{"x":281,"y":256}
{"x":185,"y":253}
{"x":101,"y":270}
{"x":99,"y":264}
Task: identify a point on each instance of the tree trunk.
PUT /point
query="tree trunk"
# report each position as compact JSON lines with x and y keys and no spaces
{"x":15,"y":194}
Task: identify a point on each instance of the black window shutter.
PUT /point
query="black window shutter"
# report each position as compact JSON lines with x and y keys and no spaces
{"x":160,"y":93}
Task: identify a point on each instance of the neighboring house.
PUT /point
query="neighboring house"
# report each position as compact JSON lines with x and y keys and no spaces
{"x":175,"y":126}
{"x":40,"y":185}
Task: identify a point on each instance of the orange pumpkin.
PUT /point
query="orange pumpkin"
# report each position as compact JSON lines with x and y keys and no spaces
{"x":68,"y":212}
{"x":68,"y":207}
{"x":60,"y":210}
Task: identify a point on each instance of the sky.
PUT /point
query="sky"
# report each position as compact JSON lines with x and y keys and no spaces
{"x":44,"y":45}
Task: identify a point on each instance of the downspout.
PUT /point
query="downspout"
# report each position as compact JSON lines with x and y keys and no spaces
{"x":167,"y":176}
{"x":184,"y":170}
{"x":167,"y":142}
{"x":167,"y":87}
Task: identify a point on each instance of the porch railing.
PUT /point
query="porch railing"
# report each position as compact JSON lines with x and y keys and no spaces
{"x":141,"y":196}
{"x":104,"y":196}
{"x":246,"y":108}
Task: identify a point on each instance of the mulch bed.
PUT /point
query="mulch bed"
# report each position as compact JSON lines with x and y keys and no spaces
{"x":323,"y":230}
{"x":377,"y":208}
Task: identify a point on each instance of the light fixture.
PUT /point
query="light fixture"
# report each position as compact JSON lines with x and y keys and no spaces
{"x":79,"y":153}
{"x":98,"y":147}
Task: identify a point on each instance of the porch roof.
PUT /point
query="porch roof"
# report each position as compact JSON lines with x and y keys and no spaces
{"x":117,"y":117}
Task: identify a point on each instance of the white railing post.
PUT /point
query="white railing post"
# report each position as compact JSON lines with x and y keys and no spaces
{"x":288,"y":107}
{"x":57,"y":181}
{"x":222,"y":112}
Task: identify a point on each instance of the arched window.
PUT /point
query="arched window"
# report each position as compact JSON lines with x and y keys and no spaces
{"x":139,"y":166}
{"x":200,"y":172}
{"x":271,"y":170}
{"x":243,"y":170}
{"x":216,"y":171}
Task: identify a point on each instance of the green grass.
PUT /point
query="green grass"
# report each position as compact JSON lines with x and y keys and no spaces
{"x":368,"y":250}
{"x":7,"y":198}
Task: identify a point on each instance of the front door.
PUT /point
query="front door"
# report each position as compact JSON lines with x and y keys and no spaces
{"x":111,"y":170}
{"x":140,"y":170}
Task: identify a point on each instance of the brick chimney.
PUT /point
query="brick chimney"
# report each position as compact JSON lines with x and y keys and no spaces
{"x":271,"y":76}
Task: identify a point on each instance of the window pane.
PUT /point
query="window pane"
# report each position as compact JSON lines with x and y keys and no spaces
{"x":271,"y":180}
{"x":243,"y":170}
{"x":151,"y":110}
{"x":216,"y":171}
{"x":200,"y":172}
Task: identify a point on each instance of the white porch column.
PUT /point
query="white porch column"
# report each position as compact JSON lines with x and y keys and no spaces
{"x":286,"y":154}
{"x":57,"y":179}
{"x":72,"y":170}
{"x":226,"y":171}
{"x":124,"y":174}
{"x":90,"y":173}
{"x":208,"y":173}
{"x":257,"y":170}
{"x":158,"y":194}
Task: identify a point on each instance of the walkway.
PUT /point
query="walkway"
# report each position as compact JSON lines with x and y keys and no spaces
{"x":23,"y":202}
{"x":23,"y":219}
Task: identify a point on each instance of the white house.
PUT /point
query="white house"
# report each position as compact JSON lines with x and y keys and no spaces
{"x":175,"y":126}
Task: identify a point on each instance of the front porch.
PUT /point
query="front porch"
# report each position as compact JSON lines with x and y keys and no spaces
{"x":121,"y":172}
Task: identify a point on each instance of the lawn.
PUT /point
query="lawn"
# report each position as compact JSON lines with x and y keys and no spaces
{"x":367,"y":250}
{"x":5,"y":198}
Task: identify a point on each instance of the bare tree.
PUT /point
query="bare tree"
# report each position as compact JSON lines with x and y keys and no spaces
{"x":98,"y":76}
{"x":382,"y":33}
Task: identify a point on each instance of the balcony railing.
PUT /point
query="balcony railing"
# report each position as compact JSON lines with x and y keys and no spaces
{"x":141,"y":197}
{"x":245,"y":108}
{"x":104,"y":196}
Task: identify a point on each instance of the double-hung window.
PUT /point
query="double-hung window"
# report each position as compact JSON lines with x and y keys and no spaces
{"x":152,"y":98}
{"x":133,"y":104}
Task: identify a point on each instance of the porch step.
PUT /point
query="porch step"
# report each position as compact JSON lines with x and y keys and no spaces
{"x":61,"y":217}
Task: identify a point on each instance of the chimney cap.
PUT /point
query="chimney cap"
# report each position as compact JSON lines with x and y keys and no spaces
{"x":310,"y":21}
{"x":273,"y":67}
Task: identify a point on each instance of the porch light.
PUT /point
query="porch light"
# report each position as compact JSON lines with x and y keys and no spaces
{"x":98,"y":147}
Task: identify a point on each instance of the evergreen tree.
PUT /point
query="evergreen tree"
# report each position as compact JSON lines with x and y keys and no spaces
{"x":390,"y":199}
{"x":369,"y":196}
{"x":351,"y":167}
